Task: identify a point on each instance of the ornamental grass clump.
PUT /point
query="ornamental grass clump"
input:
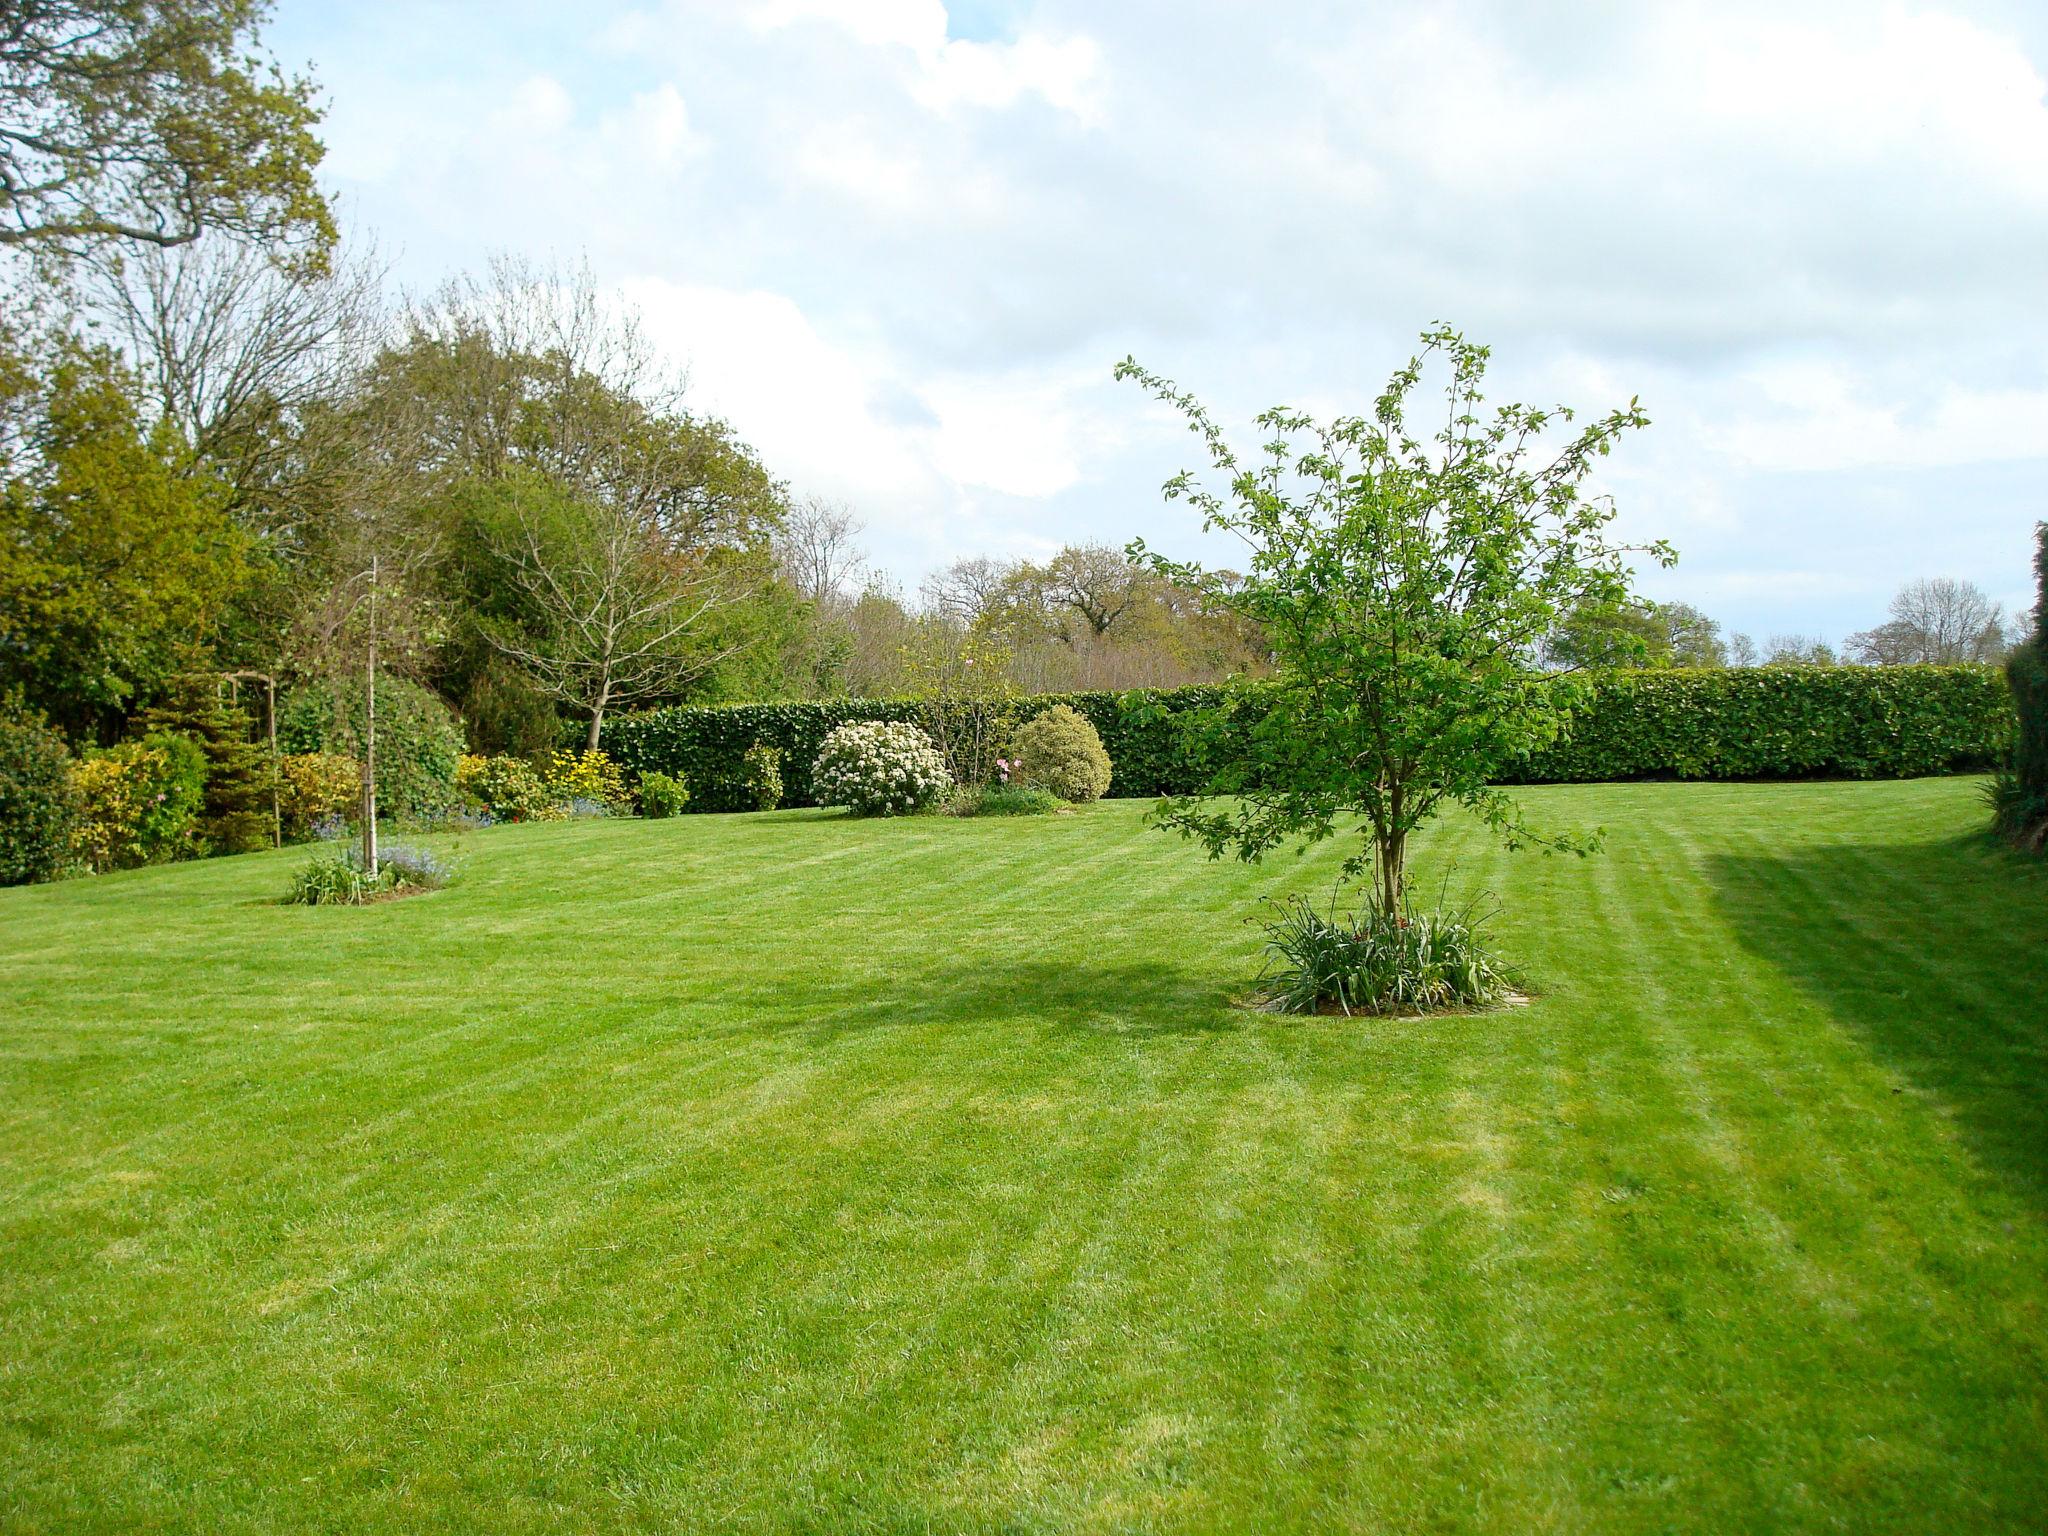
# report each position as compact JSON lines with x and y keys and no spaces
{"x":1378,"y":960}
{"x":879,"y":768}
{"x":336,"y":877}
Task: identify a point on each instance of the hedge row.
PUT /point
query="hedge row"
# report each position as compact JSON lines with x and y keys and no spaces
{"x":706,"y":744}
{"x":1748,"y":723}
{"x":1783,"y":723}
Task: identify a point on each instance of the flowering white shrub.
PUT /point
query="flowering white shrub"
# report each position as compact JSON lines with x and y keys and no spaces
{"x":877,"y":768}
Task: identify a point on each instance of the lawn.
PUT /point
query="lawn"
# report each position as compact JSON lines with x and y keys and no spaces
{"x":792,"y":1173}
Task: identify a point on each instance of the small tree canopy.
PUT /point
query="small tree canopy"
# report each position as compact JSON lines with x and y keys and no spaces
{"x":1405,"y":584}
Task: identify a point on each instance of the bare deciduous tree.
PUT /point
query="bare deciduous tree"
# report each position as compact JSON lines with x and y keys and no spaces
{"x":619,"y":606}
{"x":1791,"y":650}
{"x":818,"y":550}
{"x":1938,"y":619}
{"x":232,"y":350}
{"x":969,"y":590}
{"x":1095,"y":582}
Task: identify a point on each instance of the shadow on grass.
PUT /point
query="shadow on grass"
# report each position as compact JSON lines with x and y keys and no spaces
{"x":1936,"y":955}
{"x":1131,"y":999}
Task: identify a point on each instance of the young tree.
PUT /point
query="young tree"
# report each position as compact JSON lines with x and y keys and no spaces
{"x":368,"y":553}
{"x":235,"y":811}
{"x":614,"y":608}
{"x":1402,"y":582}
{"x":961,"y":679}
{"x":150,"y":122}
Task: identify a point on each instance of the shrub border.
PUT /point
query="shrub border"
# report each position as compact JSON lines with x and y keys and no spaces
{"x":1723,"y":723}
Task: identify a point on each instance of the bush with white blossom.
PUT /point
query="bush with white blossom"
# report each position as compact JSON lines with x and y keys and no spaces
{"x":879,"y":768}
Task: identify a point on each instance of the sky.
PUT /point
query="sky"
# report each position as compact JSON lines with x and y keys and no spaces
{"x":901,"y":245}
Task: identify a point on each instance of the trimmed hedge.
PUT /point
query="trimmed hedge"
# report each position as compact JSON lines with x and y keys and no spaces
{"x":1783,"y":723}
{"x":1732,"y":723}
{"x":708,"y":744}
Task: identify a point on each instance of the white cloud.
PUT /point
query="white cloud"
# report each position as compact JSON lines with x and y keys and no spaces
{"x":655,"y":124}
{"x":804,"y":401}
{"x":538,"y":105}
{"x":1820,"y":419}
{"x":945,"y":72}
{"x":1809,"y":235}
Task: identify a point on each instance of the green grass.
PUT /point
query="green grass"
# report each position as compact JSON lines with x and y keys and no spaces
{"x":790,"y":1173}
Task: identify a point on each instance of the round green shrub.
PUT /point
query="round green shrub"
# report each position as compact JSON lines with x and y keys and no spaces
{"x":139,"y":801}
{"x":419,"y":740}
{"x":315,"y":790}
{"x":1060,"y":751}
{"x":662,"y":795}
{"x":761,"y":766}
{"x":38,"y":801}
{"x":877,"y":768}
{"x":507,"y":789}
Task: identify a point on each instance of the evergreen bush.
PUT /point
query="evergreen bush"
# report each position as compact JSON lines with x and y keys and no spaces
{"x":38,"y":800}
{"x":139,"y":801}
{"x":761,"y":767}
{"x":235,"y":809}
{"x":662,"y":795}
{"x":419,"y":740}
{"x":506,"y":789}
{"x":2020,"y":794}
{"x":880,"y":769}
{"x":1059,"y":750}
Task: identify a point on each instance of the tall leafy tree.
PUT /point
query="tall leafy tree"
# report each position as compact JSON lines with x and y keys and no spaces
{"x":1402,"y":577}
{"x":1635,"y":634}
{"x":1608,"y":634}
{"x":152,"y":122}
{"x":116,"y":560}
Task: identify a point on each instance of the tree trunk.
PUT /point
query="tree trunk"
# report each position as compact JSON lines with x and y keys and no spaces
{"x":370,"y":737}
{"x":1393,"y":859}
{"x":1392,"y":847}
{"x":596,"y":725}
